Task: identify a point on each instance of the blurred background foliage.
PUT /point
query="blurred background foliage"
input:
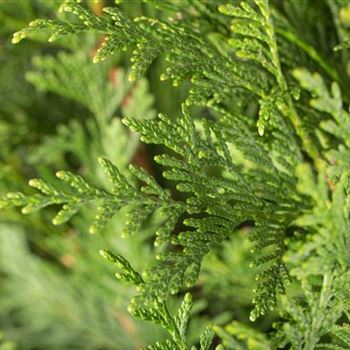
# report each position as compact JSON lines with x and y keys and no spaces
{"x":58,"y":110}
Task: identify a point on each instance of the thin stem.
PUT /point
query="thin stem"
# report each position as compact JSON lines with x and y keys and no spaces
{"x":290,"y":112}
{"x":318,"y":312}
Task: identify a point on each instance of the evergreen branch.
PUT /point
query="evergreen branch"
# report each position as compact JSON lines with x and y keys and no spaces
{"x":225,"y":176}
{"x":157,"y":311}
{"x":329,"y":102}
{"x":82,"y":193}
{"x":261,"y":22}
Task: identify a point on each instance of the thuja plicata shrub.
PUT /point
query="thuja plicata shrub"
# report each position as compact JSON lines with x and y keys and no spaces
{"x":245,"y":191}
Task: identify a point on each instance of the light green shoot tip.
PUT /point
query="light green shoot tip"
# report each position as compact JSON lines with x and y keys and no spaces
{"x":33,"y":182}
{"x":222,"y":8}
{"x":93,"y":229}
{"x":261,"y":130}
{"x":131,"y":77}
{"x":103,"y":253}
{"x":56,"y":221}
{"x":60,"y":174}
{"x":26,"y":210}
{"x":18,"y":36}
{"x":188,"y":298}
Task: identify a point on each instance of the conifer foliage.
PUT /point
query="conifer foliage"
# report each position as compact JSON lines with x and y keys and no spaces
{"x":259,"y":145}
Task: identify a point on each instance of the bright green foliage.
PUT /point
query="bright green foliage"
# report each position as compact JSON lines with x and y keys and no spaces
{"x":260,"y":149}
{"x":239,"y":336}
{"x":329,"y":102}
{"x":341,"y":338}
{"x":321,"y":264}
{"x":158,"y":312}
{"x":174,"y":270}
{"x":80,"y":193}
{"x":209,"y":196}
{"x":128,"y":273}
